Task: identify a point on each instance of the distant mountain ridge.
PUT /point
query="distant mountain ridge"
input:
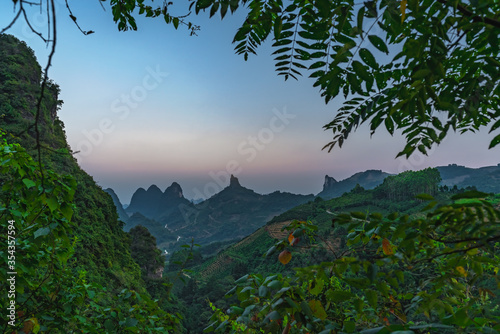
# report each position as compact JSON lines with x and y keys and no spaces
{"x":164,"y":207}
{"x":485,"y":179}
{"x":236,"y":211}
{"x":232,"y":213}
{"x":122,"y":215}
{"x":368,"y":179}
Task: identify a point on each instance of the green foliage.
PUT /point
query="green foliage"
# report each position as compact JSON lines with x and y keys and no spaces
{"x":444,"y":61}
{"x":35,"y":245}
{"x":409,"y":184}
{"x":184,"y":258}
{"x":144,"y":252}
{"x":123,"y":10}
{"x":441,"y":73}
{"x":436,"y":271}
{"x":35,"y":220}
{"x":357,"y":189}
{"x":20,"y":77}
{"x":103,"y":249}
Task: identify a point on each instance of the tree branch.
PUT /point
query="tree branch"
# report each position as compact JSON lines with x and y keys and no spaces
{"x":44,"y":85}
{"x":474,"y":17}
{"x":463,"y":250}
{"x":12,"y":22}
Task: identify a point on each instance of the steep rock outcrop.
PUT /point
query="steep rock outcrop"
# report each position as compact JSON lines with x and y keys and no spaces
{"x":368,"y":179}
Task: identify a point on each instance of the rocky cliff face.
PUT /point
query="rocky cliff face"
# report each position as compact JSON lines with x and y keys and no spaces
{"x":329,"y":182}
{"x":234,"y":182}
{"x":368,"y":180}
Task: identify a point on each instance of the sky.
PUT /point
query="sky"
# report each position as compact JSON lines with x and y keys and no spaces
{"x":157,"y":106}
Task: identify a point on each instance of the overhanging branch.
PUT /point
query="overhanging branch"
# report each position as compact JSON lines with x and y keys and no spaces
{"x":474,"y":17}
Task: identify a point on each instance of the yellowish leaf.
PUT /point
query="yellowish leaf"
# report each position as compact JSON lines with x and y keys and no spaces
{"x":285,"y":257}
{"x":461,"y":270}
{"x":387,"y":247}
{"x":290,"y":238}
{"x":31,"y":326}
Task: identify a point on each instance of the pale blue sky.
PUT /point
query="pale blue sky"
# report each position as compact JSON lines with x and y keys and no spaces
{"x":158,"y":106}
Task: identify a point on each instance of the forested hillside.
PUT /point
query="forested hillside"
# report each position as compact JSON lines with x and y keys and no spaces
{"x":309,"y":237}
{"x":81,"y":273}
{"x":237,"y":211}
{"x":122,"y":215}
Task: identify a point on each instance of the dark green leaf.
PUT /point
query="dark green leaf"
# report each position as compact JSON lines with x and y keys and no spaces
{"x":495,"y":142}
{"x":368,"y":58}
{"x":274,"y":315}
{"x":263,"y":291}
{"x":360,"y":70}
{"x":371,"y":296}
{"x":41,"y":232}
{"x":278,"y":24}
{"x":338,"y":296}
{"x":469,"y":194}
{"x":361,"y":14}
{"x":378,"y":43}
{"x":109,"y":325}
{"x":425,"y":197}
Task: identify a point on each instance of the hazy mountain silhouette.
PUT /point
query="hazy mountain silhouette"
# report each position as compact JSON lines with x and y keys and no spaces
{"x":122,"y":215}
{"x":368,"y":179}
{"x":232,"y":213}
{"x":237,"y":211}
{"x":485,"y":179}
